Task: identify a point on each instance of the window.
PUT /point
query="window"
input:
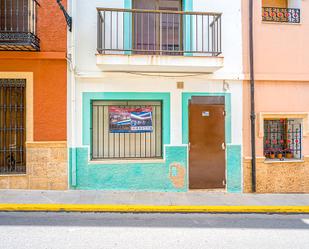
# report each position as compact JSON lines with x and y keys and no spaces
{"x":283,"y":139}
{"x":286,"y":11}
{"x":12,"y":126}
{"x":126,"y":130}
{"x":14,"y":15}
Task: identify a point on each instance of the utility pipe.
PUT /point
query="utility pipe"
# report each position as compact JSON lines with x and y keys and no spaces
{"x":252,"y":99}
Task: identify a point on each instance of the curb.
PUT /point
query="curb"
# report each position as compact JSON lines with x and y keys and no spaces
{"x":151,"y":209}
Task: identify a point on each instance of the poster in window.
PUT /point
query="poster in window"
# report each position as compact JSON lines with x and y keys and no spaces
{"x":130,"y":120}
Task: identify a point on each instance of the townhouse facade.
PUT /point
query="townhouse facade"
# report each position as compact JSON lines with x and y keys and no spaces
{"x":33,"y":97}
{"x":280,"y":30}
{"x":155,"y":95}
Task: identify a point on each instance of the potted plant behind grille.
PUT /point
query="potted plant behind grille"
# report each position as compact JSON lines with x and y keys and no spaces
{"x":280,"y":155}
{"x":272,"y":154}
{"x":288,"y":154}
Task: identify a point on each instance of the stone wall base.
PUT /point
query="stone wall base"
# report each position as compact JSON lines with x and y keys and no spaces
{"x":46,"y":168}
{"x":277,"y":177}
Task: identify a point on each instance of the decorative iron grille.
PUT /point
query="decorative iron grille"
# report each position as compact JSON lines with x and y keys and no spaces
{"x":18,"y":20}
{"x":158,"y":32}
{"x":282,"y":139}
{"x":287,"y":15}
{"x":125,"y":145}
{"x":12,"y":126}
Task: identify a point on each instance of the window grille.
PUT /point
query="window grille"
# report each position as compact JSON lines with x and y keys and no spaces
{"x":12,"y":126}
{"x":283,"y":139}
{"x":107,"y":144}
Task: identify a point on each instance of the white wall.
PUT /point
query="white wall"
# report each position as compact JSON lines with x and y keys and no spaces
{"x":85,"y":24}
{"x":85,"y":30}
{"x":131,"y":83}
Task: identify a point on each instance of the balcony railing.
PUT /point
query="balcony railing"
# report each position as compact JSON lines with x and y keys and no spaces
{"x":152,"y":32}
{"x":18,"y":25}
{"x":286,"y":15}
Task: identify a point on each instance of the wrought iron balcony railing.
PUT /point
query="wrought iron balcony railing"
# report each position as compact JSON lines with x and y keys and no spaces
{"x":287,"y":15}
{"x":158,"y":32}
{"x":18,"y":25}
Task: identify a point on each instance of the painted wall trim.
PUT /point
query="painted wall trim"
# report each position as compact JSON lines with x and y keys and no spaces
{"x":89,"y":96}
{"x":187,"y":5}
{"x":278,"y":115}
{"x":128,"y":27}
{"x":28,"y":76}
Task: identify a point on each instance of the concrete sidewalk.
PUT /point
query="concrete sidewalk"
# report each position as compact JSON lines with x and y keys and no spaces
{"x":143,"y":201}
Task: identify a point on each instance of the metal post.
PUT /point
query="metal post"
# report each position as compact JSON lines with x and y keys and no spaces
{"x":252,"y":93}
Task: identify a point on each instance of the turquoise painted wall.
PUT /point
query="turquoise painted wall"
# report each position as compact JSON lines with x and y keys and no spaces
{"x":233,"y":152}
{"x":154,"y":176}
{"x":130,"y":176}
{"x":234,"y":175}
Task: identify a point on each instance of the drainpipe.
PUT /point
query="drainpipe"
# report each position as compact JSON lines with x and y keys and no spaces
{"x":71,"y":96}
{"x":252,"y":93}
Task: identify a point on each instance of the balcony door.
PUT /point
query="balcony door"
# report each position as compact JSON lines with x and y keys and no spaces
{"x":157,"y":32}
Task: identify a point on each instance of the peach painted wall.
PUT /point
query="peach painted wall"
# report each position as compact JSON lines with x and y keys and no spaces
{"x":274,"y":96}
{"x":281,"y":50}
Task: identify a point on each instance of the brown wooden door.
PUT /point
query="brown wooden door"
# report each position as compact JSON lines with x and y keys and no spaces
{"x":207,"y":146}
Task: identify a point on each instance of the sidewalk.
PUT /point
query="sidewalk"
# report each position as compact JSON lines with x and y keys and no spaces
{"x":195,"y":201}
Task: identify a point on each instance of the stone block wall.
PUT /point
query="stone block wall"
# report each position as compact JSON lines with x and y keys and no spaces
{"x":278,"y":177}
{"x":46,"y":166}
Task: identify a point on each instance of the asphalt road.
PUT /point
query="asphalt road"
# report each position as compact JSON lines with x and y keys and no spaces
{"x":194,"y":231}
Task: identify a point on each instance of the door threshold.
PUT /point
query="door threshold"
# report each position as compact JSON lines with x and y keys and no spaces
{"x":216,"y":190}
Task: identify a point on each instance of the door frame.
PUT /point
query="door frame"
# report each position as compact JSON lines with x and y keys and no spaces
{"x":186,"y":97}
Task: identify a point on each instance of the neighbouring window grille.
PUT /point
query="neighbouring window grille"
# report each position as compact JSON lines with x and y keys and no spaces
{"x":12,"y":126}
{"x":283,"y":139}
{"x":108,"y":144}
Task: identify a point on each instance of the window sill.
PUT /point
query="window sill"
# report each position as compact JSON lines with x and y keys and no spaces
{"x":12,"y":175}
{"x":126,"y":161}
{"x":281,"y":23}
{"x":270,"y":161}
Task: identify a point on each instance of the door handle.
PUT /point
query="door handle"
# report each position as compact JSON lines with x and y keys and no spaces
{"x":223,"y":146}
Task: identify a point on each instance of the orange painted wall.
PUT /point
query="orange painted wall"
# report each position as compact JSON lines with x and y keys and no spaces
{"x":50,"y":72}
{"x":49,"y":92}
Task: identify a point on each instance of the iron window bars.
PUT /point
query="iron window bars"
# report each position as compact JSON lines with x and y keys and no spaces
{"x":18,"y":25}
{"x":12,"y":126}
{"x":157,"y":32}
{"x":287,"y":15}
{"x":282,"y":139}
{"x":108,"y":145}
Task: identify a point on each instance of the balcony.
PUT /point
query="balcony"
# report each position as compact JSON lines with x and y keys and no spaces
{"x":18,"y":25}
{"x":158,"y":40}
{"x":281,"y":15}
